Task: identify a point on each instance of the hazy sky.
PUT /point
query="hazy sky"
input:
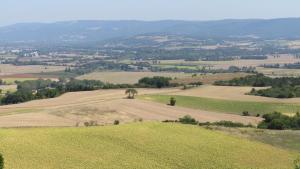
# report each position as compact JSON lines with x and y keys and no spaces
{"x":13,"y":11}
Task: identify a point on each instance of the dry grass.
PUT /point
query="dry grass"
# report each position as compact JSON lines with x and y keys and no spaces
{"x":128,"y":77}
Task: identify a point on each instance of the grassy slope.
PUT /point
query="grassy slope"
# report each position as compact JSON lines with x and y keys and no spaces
{"x":140,"y":145}
{"x":225,"y":106}
{"x":284,"y":139}
{"x":287,"y":139}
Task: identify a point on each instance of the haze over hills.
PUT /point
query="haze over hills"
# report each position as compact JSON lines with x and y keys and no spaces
{"x":96,"y":31}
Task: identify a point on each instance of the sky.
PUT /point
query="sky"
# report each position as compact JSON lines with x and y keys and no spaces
{"x":16,"y":11}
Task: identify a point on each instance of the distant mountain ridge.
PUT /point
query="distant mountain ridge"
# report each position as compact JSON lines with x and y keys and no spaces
{"x":96,"y":31}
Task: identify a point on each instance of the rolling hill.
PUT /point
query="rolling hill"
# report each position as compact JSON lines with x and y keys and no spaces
{"x":95,"y":31}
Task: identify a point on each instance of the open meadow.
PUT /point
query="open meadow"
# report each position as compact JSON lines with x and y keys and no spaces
{"x":137,"y":145}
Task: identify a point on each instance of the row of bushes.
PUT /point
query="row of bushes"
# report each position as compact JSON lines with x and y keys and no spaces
{"x":260,"y":80}
{"x":284,"y":87}
{"x":279,"y":121}
{"x":278,"y":92}
{"x":155,"y":82}
{"x":274,"y":121}
{"x":190,"y":120}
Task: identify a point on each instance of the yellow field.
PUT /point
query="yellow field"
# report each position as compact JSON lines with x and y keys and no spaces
{"x":128,"y":77}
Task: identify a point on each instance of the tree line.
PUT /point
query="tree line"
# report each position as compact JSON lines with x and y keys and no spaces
{"x":283,"y":87}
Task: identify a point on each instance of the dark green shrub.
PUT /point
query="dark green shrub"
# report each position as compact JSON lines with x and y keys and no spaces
{"x":172,"y":101}
{"x":188,"y":120}
{"x":116,"y":122}
{"x":225,"y":124}
{"x":156,"y":82}
{"x":278,"y":121}
{"x":90,"y":123}
{"x":277,"y":124}
{"x":246,"y":113}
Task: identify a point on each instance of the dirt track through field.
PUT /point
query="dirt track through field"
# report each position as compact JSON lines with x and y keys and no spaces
{"x":104,"y":106}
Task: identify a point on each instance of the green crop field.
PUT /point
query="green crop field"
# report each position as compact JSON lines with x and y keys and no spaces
{"x":137,"y":145}
{"x":225,"y":106}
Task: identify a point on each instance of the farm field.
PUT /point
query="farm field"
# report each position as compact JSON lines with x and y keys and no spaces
{"x":225,"y":106}
{"x":284,"y":59}
{"x":103,"y":106}
{"x":279,"y":72}
{"x":209,"y":78}
{"x":232,"y":93}
{"x":6,"y":69}
{"x":124,"y":147}
{"x":128,"y":77}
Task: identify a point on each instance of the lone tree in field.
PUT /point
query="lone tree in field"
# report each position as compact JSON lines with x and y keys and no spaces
{"x":172,"y":101}
{"x":131,"y":93}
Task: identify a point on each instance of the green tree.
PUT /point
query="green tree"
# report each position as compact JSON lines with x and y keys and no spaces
{"x":131,"y":93}
{"x":172,"y":101}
